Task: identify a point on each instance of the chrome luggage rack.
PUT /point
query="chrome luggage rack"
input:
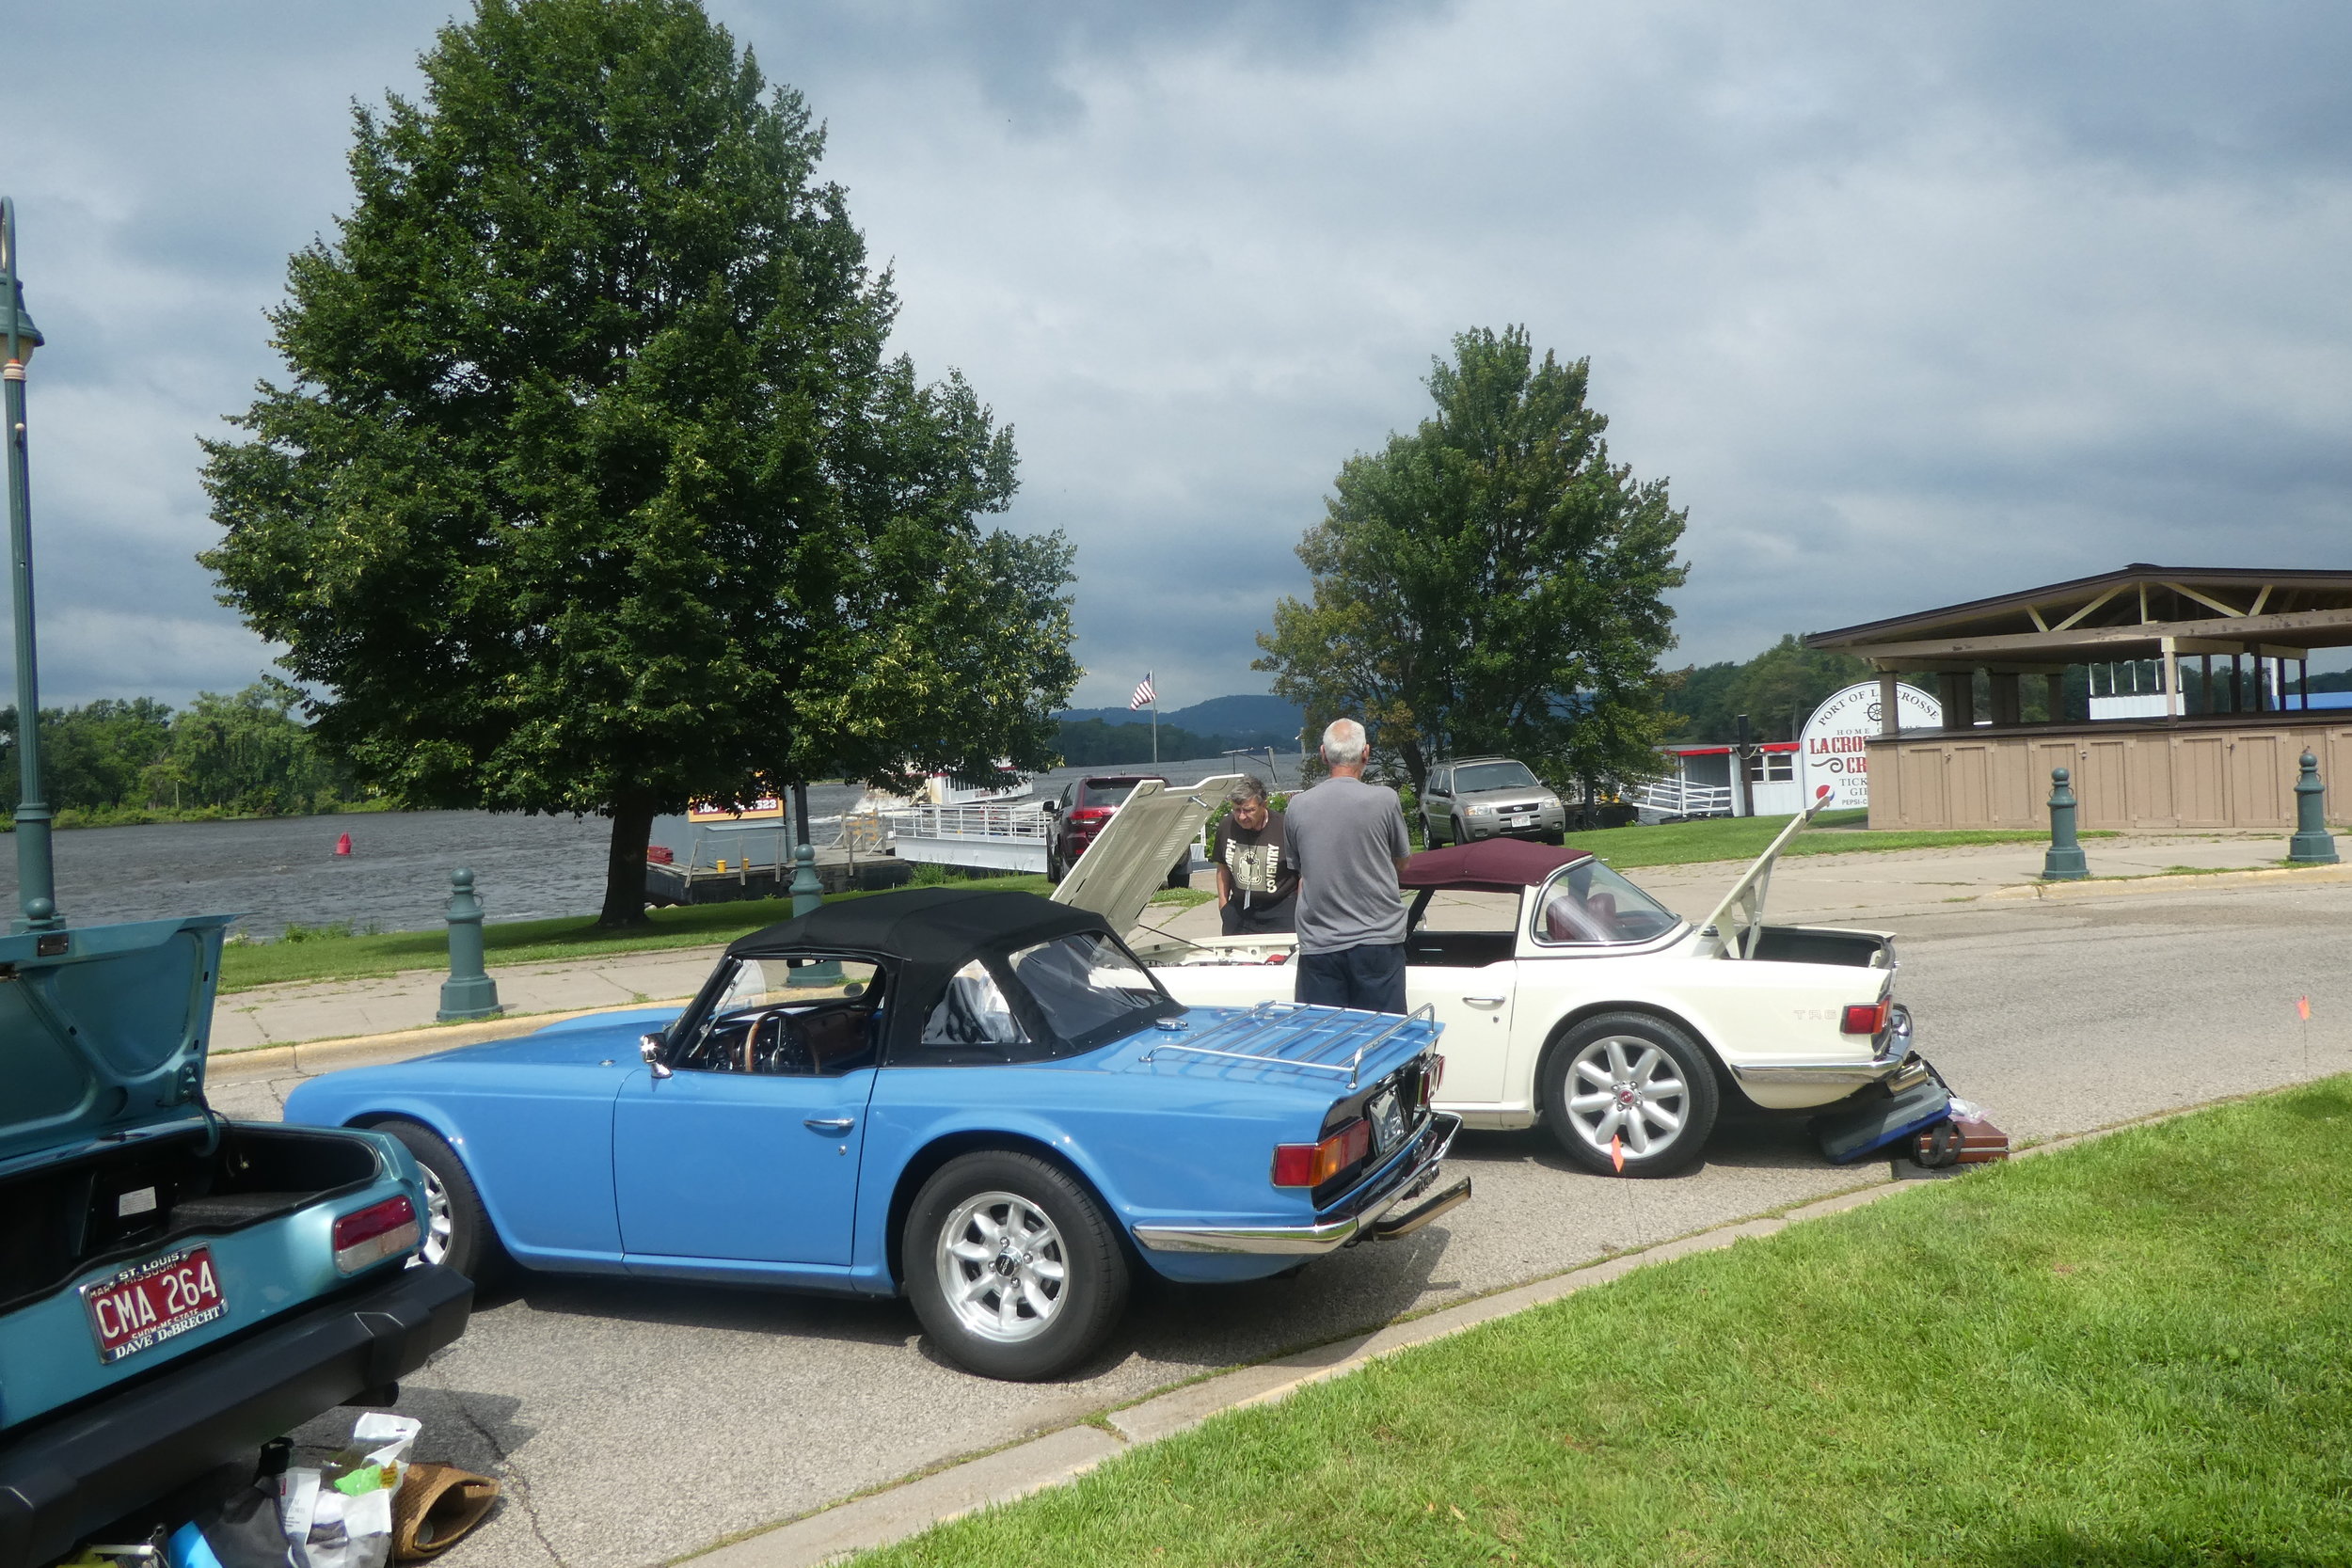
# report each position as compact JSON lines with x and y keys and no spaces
{"x":1268,"y":1015}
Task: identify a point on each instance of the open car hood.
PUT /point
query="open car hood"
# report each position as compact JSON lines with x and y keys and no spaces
{"x":1744,"y":903}
{"x":106,"y":1036}
{"x":1129,"y":859}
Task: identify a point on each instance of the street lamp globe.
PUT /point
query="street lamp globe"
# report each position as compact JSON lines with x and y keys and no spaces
{"x":28,"y":337}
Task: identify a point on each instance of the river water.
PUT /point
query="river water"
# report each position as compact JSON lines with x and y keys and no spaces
{"x":284,"y":870}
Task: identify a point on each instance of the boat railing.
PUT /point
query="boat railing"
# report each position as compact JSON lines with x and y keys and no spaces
{"x":987,"y":822}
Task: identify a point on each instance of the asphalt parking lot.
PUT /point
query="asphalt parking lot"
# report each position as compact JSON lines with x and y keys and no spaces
{"x":635,"y":1423}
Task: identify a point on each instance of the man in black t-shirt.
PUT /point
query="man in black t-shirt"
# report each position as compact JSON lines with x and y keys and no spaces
{"x":1255,"y":880}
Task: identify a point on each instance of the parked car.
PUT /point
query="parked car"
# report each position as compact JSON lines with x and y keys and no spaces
{"x":1480,"y":797}
{"x":979,"y":1100}
{"x":1084,"y":808}
{"x":1589,"y":1007}
{"x":175,"y":1287}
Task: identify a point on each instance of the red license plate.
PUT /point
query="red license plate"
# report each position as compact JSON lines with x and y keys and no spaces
{"x":146,"y":1304}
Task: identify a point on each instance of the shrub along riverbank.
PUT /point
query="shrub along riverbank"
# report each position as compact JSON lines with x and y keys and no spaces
{"x":2135,"y":1353}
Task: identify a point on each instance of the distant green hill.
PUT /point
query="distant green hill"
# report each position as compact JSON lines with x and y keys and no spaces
{"x":1230,"y":721}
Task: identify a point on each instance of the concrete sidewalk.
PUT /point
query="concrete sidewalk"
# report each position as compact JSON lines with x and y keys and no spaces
{"x":1863,"y":887}
{"x":338,"y":1009}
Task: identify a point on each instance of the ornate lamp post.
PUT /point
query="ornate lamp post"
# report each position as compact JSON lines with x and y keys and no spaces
{"x":36,"y":878}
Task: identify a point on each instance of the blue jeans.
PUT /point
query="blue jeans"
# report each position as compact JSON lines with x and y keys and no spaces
{"x":1371,"y":978}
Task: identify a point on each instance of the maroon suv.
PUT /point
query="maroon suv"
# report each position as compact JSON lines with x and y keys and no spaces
{"x":1084,"y":806}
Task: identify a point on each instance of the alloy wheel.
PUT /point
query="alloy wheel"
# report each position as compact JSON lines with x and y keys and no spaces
{"x":436,"y":1220}
{"x":1626,"y":1087}
{"x":1003,"y":1269}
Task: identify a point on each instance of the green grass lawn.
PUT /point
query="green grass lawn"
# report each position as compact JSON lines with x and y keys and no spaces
{"x":1729,"y":838}
{"x":2135,"y":1353}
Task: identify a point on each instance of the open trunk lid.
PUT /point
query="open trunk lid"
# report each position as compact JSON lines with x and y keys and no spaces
{"x":1743,"y":905}
{"x":102,"y":1030}
{"x":1128,"y":861}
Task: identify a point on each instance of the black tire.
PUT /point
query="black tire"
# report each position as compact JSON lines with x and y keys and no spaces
{"x":1644,"y":1048}
{"x":1055,"y":870}
{"x":1180,"y":875}
{"x":1454,"y":831}
{"x":472,"y":1247}
{"x":1555,"y":838}
{"x":1016,"y":1196}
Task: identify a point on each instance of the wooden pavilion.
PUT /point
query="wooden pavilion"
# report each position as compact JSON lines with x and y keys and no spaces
{"x":2209,"y":735}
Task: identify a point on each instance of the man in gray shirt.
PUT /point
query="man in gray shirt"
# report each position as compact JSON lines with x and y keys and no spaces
{"x":1347,"y":839}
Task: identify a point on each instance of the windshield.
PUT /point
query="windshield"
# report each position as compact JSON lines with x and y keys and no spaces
{"x":1589,"y":903}
{"x":1087,"y":986}
{"x":1493,"y":775}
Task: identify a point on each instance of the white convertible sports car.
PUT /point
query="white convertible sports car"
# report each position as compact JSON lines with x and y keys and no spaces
{"x":1586,"y":1005}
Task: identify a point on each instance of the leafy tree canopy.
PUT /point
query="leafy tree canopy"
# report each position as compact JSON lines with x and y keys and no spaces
{"x":1490,"y":582}
{"x":592,"y":489}
{"x":245,"y":753}
{"x":1779,"y":689}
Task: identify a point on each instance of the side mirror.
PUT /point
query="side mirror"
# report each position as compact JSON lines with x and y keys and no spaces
{"x":1053,"y":808}
{"x":649,"y":1052}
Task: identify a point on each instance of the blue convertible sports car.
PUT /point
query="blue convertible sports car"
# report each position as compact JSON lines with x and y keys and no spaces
{"x":980,"y":1100}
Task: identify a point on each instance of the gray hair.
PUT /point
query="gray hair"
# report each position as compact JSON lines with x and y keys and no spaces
{"x":1246,"y":788}
{"x":1344,"y":743}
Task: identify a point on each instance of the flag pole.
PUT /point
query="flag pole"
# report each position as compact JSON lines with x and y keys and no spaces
{"x":1155,"y":724}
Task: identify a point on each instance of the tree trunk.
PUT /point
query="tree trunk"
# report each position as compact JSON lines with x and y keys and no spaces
{"x":624,"y":867}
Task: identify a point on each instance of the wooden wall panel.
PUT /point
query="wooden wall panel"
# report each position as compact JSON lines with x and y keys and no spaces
{"x":2262,"y":792}
{"x":2201,"y":780}
{"x":2149,"y":766}
{"x":2241,"y":776}
{"x":1968,"y":787}
{"x":2101,"y":787}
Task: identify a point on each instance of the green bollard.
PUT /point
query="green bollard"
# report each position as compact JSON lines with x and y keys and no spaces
{"x":2312,"y":845}
{"x":469,"y":993}
{"x":2063,"y":861}
{"x":808,"y":891}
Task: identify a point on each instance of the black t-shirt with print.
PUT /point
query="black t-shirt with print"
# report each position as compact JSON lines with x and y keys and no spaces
{"x":1254,"y":861}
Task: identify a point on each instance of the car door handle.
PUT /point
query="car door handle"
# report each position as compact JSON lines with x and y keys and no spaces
{"x":1485,"y":1001}
{"x":829,"y":1124}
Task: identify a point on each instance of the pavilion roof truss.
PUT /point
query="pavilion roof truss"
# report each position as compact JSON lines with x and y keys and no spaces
{"x":2139,"y":613}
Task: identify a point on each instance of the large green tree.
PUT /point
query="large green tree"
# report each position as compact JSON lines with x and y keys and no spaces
{"x":593,"y":490}
{"x":1490,"y":582}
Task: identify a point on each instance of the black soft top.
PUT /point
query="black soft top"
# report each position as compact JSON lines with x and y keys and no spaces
{"x":932,"y":932}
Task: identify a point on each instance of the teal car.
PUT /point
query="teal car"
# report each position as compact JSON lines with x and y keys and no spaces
{"x":176,"y":1288}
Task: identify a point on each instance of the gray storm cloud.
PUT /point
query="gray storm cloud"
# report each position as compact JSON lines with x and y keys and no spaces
{"x":1907,"y":307}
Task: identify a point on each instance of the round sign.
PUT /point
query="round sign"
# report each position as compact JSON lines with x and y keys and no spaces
{"x":1834,"y":743}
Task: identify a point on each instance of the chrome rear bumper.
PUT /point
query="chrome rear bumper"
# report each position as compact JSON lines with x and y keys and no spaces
{"x":1888,"y":1053}
{"x":1400,"y":1200}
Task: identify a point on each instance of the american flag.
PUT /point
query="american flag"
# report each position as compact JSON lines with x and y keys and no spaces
{"x":1145,"y":696}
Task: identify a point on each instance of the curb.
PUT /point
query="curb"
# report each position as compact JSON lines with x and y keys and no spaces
{"x":2176,"y":881}
{"x":1006,"y":1474}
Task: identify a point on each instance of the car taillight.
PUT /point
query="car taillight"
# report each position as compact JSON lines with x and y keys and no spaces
{"x":1436,"y":1076}
{"x":1281,"y":958}
{"x":1866,"y":1017}
{"x":1313,"y":1165}
{"x":1089,"y":813}
{"x":370,"y":1235}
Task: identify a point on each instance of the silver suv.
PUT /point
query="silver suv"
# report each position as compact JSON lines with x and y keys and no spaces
{"x":1488,"y":798}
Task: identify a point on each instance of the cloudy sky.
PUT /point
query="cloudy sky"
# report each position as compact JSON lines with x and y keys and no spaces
{"x":1907,"y":307}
